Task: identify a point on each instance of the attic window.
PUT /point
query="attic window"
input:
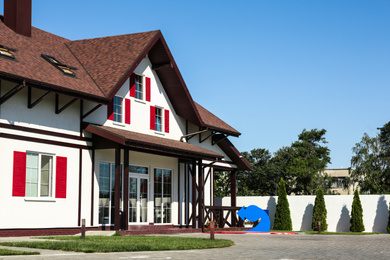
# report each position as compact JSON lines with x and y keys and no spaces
{"x":67,"y":70}
{"x":7,"y":52}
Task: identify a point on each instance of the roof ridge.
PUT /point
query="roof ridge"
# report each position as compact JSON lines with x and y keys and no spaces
{"x":113,"y":36}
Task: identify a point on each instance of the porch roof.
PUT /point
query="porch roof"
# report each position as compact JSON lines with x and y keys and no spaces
{"x":152,"y":144}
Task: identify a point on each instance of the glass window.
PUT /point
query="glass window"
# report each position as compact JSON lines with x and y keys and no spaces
{"x":138,"y":169}
{"x":138,"y":87}
{"x":39,"y":172}
{"x":118,"y":109}
{"x":158,"y":119}
{"x":107,"y":192}
{"x":162,"y":195}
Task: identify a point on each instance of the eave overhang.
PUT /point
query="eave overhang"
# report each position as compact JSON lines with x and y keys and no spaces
{"x":152,"y":144}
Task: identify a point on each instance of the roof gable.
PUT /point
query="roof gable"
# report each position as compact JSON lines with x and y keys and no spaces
{"x":111,"y":60}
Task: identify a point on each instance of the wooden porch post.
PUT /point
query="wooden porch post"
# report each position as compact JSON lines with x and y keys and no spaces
{"x":233,"y":197}
{"x":117,"y":188}
{"x":200,"y":196}
{"x":126,"y":189}
{"x":193,"y":173}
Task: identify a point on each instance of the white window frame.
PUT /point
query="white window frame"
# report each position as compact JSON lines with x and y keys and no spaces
{"x":161,"y":119}
{"x":139,"y":94}
{"x":122,"y":110}
{"x":162,"y":193}
{"x":39,"y":169}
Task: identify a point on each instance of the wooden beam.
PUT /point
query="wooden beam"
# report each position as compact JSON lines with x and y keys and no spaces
{"x":125,"y":193}
{"x":59,"y":110}
{"x":202,"y":140}
{"x":36,"y":102}
{"x":117,"y":188}
{"x":11,"y":93}
{"x":200,"y":196}
{"x":91,"y":111}
{"x":193,"y":173}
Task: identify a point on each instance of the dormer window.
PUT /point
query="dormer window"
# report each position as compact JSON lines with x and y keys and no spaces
{"x":67,"y":70}
{"x":7,"y":52}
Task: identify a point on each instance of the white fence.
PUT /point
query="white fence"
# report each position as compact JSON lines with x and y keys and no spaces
{"x":339,"y":207}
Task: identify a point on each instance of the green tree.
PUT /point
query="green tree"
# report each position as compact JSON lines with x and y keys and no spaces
{"x":319,"y":212}
{"x":356,"y":214}
{"x":312,"y":159}
{"x":370,"y":166}
{"x":260,"y":180}
{"x":222,"y":183}
{"x":282,"y":214}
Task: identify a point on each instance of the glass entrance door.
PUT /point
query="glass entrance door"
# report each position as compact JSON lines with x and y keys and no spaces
{"x":138,"y":199}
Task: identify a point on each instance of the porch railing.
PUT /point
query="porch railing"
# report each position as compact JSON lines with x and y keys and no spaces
{"x":223,"y":215}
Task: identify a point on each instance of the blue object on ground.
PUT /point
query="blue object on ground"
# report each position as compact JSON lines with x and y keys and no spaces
{"x":253,"y":213}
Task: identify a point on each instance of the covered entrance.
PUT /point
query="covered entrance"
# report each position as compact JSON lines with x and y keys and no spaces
{"x":147,"y":193}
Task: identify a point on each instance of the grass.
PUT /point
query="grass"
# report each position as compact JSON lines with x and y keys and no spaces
{"x":94,"y":244}
{"x":15,"y":252}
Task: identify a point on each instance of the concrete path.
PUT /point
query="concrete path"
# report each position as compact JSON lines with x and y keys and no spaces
{"x":253,"y":246}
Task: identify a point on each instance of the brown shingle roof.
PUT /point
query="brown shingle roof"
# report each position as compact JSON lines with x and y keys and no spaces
{"x":152,"y":143}
{"x":108,"y":59}
{"x":30,"y":66}
{"x":214,"y":122}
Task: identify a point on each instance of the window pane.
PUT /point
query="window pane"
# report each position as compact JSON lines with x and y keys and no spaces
{"x":46,"y":170}
{"x":32,"y":172}
{"x":118,"y":109}
{"x":157,"y":195}
{"x":158,"y":120}
{"x":138,"y":169}
{"x":133,"y":200}
{"x":138,"y":87}
{"x":104,"y":192}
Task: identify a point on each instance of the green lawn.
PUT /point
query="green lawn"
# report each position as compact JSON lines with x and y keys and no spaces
{"x":93,"y":244}
{"x":15,"y":252}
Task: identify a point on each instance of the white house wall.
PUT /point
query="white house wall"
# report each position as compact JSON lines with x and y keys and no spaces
{"x":42,"y":116}
{"x":23,"y":212}
{"x":140,"y":109}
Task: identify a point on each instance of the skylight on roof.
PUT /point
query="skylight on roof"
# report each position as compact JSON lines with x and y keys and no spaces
{"x":67,"y":70}
{"x":7,"y":52}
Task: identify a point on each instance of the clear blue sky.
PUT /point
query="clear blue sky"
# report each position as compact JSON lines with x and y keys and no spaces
{"x":268,"y":68}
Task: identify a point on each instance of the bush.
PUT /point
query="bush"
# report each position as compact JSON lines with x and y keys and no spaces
{"x":356,"y":214}
{"x":388,"y":222}
{"x":282,"y":214}
{"x":319,"y":212}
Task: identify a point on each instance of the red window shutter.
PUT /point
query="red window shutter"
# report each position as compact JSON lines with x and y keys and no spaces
{"x":132,"y":85}
{"x":166,"y":117}
{"x":61,"y":169}
{"x":19,"y":175}
{"x":152,"y":118}
{"x":147,"y":89}
{"x":110,"y":110}
{"x":127,"y":111}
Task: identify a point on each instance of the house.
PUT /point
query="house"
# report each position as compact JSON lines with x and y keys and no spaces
{"x":339,"y":177}
{"x":103,"y":130}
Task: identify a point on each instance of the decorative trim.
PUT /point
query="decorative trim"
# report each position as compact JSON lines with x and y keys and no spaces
{"x":43,"y":141}
{"x":44,"y":132}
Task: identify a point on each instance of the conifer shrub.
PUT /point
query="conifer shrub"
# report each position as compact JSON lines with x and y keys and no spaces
{"x":282,"y":214}
{"x":319,"y":212}
{"x":356,"y":214}
{"x":388,"y":222}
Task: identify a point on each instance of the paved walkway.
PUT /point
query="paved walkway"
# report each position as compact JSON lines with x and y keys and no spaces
{"x":254,"y":246}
